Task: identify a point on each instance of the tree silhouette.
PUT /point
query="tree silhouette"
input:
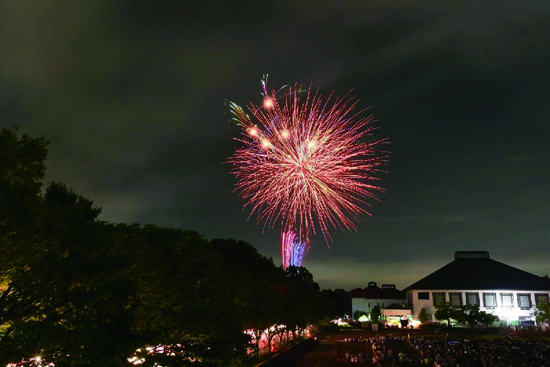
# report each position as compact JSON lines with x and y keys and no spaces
{"x":84,"y":292}
{"x":375,"y":314}
{"x":423,"y":315}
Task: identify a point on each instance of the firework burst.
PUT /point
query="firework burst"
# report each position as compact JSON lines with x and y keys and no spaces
{"x":303,"y":163}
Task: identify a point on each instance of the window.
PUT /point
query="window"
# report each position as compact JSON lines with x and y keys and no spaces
{"x":423,"y":295}
{"x":490,"y":300}
{"x":507,"y":299}
{"x":439,"y":297}
{"x":455,"y":299}
{"x":541,"y":298}
{"x":472,"y":299}
{"x":524,"y":301}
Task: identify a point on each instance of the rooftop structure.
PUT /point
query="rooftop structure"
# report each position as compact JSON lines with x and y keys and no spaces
{"x":476,"y":270}
{"x":474,"y":278}
{"x":364,"y":300}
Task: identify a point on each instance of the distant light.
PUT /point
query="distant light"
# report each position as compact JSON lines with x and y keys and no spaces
{"x":266,"y":143}
{"x":285,"y":134}
{"x":415,"y":323}
{"x":312,"y":144}
{"x":340,"y":322}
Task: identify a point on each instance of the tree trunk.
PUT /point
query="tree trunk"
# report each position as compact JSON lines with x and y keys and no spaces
{"x":269,"y":338}
{"x":258,"y":338}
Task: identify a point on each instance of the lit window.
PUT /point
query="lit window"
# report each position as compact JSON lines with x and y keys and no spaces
{"x":507,"y":299}
{"x":472,"y":298}
{"x":455,"y":299}
{"x":524,"y":301}
{"x":490,"y":300}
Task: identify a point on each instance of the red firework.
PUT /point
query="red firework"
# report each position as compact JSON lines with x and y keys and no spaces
{"x":303,"y":163}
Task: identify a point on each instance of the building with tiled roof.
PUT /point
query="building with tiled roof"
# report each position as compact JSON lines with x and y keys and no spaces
{"x":364,"y":300}
{"x":474,"y":278}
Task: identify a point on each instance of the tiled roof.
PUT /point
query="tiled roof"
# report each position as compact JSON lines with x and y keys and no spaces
{"x":478,"y":274}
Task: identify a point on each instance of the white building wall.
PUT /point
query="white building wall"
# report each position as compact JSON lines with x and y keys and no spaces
{"x":506,"y":314}
{"x":367,"y":304}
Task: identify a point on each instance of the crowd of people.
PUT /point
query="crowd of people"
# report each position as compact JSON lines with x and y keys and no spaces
{"x":378,"y":354}
{"x":348,"y":356}
{"x":406,"y":351}
{"x":461,"y":352}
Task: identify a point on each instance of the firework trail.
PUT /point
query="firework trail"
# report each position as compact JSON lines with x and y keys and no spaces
{"x":303,"y":164}
{"x":292,"y":251}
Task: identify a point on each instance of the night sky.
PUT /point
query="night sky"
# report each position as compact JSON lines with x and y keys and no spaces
{"x":133,"y":98}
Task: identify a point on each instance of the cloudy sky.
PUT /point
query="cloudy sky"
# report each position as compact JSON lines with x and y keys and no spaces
{"x":133,"y":98}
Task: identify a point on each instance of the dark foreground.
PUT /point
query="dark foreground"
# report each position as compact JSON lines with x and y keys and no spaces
{"x":363,"y":348}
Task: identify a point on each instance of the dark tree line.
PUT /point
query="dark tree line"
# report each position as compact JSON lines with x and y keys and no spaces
{"x":79,"y":291}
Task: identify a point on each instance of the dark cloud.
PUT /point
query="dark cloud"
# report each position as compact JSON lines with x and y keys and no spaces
{"x":133,"y":99}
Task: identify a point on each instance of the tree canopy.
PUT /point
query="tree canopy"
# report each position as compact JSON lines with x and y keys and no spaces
{"x":469,"y":314}
{"x":375,"y":314}
{"x":84,"y":292}
{"x":445,"y":311}
{"x":423,"y":315}
{"x":542,"y":313}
